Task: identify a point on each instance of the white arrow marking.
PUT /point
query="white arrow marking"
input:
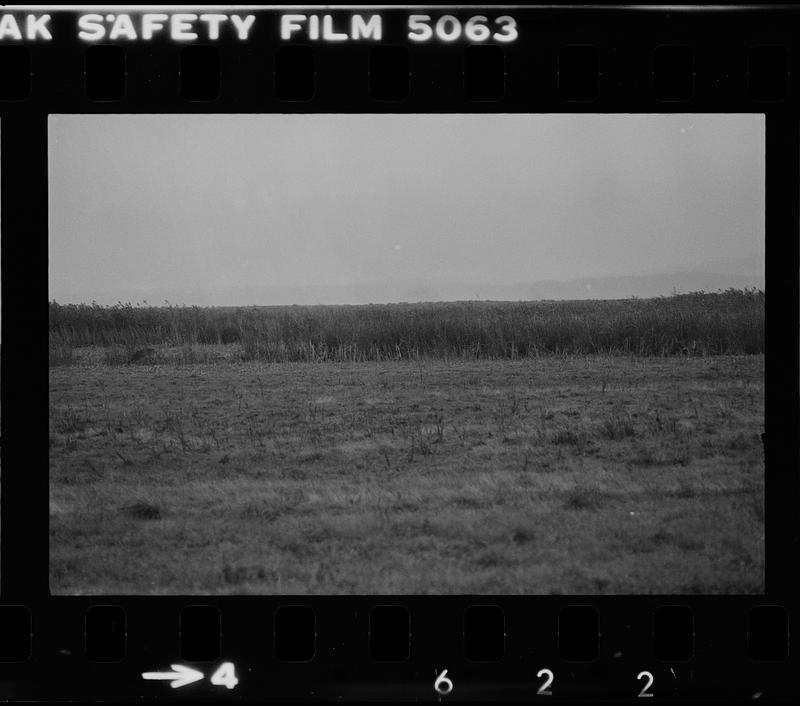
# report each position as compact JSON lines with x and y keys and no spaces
{"x":180,"y":675}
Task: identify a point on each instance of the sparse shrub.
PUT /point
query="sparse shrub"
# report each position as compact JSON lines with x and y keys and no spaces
{"x":566,"y":435}
{"x":143,"y":356}
{"x":508,"y":409}
{"x":584,"y":499}
{"x":662,"y":537}
{"x":617,"y":428}
{"x":694,"y":587}
{"x":234,"y":575}
{"x":523,"y":535}
{"x":685,"y":490}
{"x":487,"y":559}
{"x":682,"y":456}
{"x":254,"y":510}
{"x":60,"y":354}
{"x":68,"y":419}
{"x":115,"y":355}
{"x":143,"y":511}
{"x":188,"y":355}
{"x":757,"y":507}
{"x":229,"y":333}
{"x":78,"y":476}
{"x":656,"y":424}
{"x":312,"y":456}
{"x":742,"y":441}
{"x":468,"y":501}
{"x":646,"y":456}
{"x":423,"y":438}
{"x":252,"y":347}
{"x":690,"y":544}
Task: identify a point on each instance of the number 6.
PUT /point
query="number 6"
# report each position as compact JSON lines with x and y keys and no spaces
{"x":442,"y":684}
{"x":475,"y":30}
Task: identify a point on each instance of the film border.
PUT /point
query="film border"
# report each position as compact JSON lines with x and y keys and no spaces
{"x":625,"y":38}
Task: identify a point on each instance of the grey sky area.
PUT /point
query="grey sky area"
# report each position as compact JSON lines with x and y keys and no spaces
{"x":281,"y":209}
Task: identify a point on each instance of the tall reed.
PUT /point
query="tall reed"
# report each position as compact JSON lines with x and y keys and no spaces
{"x":699,"y":323}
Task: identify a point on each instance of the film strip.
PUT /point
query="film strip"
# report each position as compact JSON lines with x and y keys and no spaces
{"x":100,"y":596}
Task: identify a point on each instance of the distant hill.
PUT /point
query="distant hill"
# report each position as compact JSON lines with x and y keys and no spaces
{"x":641,"y":286}
{"x":617,"y":287}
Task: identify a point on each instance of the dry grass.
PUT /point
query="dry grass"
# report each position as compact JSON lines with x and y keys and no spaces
{"x":589,"y":474}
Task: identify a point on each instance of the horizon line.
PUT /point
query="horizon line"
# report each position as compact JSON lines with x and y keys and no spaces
{"x":144,"y":304}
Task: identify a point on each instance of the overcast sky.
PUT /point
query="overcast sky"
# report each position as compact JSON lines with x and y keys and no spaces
{"x":267,"y":209}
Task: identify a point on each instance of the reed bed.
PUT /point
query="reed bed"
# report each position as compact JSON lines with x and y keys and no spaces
{"x":698,"y":323}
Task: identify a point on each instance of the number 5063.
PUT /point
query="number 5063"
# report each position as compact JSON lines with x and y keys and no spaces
{"x":448,"y":28}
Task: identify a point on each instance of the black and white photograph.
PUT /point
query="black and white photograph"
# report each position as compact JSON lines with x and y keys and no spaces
{"x":375,"y":354}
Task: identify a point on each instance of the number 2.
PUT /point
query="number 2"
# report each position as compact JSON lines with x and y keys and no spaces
{"x":544,"y":689}
{"x":643,"y":693}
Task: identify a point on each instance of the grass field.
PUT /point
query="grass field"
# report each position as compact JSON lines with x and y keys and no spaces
{"x":211,"y":472}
